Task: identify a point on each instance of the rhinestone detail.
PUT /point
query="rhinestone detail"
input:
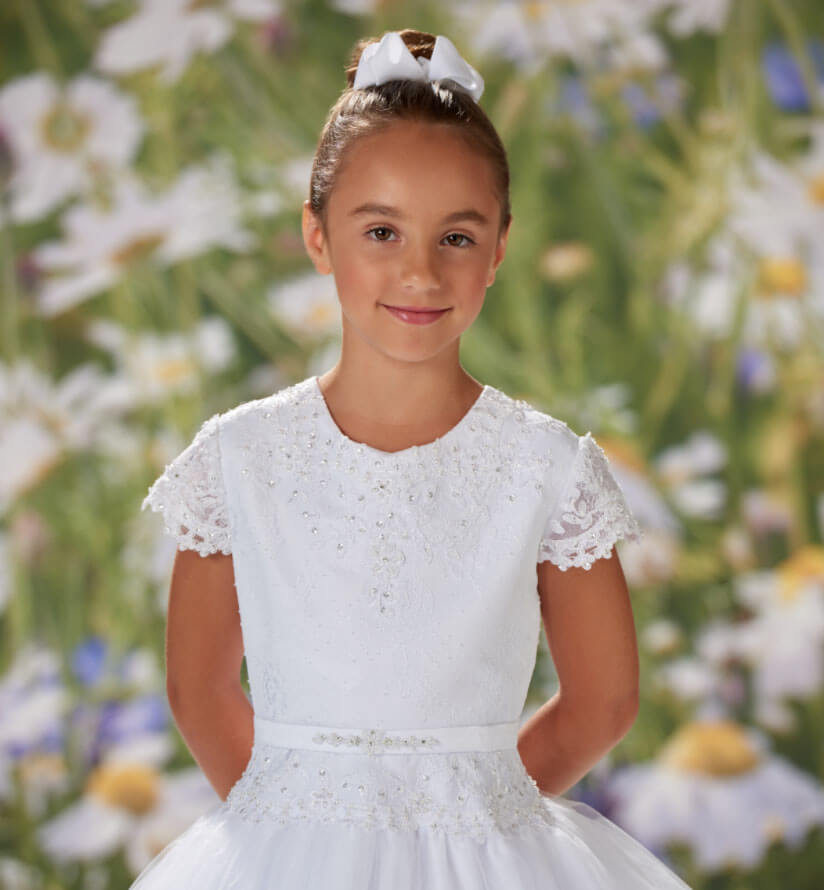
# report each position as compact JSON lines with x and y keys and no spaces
{"x":470,"y":794}
{"x":374,"y":740}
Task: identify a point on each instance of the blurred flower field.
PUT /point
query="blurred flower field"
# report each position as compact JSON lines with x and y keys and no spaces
{"x":663,"y":288}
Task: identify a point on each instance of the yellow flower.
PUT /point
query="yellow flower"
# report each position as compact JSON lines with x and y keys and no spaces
{"x":711,"y":748}
{"x":624,"y":452}
{"x":781,"y":275}
{"x":798,"y":570}
{"x":130,"y":786}
{"x":817,"y":189}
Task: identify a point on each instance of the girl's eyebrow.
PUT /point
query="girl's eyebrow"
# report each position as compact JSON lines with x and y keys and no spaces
{"x":469,"y":214}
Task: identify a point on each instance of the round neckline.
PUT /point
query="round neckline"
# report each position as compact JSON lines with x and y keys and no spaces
{"x":411,"y":449}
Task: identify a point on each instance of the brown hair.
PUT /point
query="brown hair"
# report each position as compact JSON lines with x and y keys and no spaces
{"x":362,"y":112}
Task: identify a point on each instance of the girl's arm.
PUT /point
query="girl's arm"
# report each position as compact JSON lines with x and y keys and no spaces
{"x":204,"y":651}
{"x":590,"y":629}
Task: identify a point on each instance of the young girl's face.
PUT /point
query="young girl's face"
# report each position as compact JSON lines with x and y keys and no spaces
{"x":412,"y":222}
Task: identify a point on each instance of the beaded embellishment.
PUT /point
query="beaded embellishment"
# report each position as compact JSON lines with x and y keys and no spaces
{"x":465,"y":794}
{"x":373,"y":740}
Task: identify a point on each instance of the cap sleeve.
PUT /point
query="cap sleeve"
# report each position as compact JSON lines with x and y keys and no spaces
{"x":190,"y":495}
{"x":590,"y":514}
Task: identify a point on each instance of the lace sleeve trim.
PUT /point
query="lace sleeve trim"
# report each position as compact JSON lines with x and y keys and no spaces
{"x":591,"y":514}
{"x":190,"y":495}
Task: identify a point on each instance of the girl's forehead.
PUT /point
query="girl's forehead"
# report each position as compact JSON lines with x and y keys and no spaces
{"x":403,"y":192}
{"x":446,"y":162}
{"x":417,"y":133}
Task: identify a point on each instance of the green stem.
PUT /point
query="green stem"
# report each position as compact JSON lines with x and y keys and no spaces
{"x":38,"y":37}
{"x":10,"y":297}
{"x":270,"y":342}
{"x":186,"y":292}
{"x":667,"y":386}
{"x":286,"y":123}
{"x":79,"y":19}
{"x":20,"y":623}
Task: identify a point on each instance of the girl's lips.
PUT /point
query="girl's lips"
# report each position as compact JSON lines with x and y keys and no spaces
{"x":415,"y":316}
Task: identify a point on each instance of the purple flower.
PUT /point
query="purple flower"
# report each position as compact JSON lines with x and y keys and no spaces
{"x":783,"y":75}
{"x":575,"y":101}
{"x":754,"y":370}
{"x":646,"y":112}
{"x":122,"y":720}
{"x":88,"y":660}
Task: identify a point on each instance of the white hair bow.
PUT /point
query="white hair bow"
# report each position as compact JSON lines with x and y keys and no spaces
{"x":390,"y":59}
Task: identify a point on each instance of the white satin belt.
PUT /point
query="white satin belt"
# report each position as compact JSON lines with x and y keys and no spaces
{"x":481,"y":737}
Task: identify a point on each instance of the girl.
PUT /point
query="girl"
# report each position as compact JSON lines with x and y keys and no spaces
{"x":381,"y":543}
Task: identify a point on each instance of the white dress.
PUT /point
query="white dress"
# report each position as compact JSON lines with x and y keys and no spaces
{"x":390,"y":619}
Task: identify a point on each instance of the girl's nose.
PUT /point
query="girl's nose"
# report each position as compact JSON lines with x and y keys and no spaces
{"x":419,"y":268}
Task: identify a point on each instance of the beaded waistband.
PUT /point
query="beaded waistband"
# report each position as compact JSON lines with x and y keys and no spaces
{"x":481,"y":737}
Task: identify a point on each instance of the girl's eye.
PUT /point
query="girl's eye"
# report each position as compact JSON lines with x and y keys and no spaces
{"x":379,"y":229}
{"x":467,"y":240}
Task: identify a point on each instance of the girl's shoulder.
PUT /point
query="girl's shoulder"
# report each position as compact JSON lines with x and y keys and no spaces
{"x":522,"y":422}
{"x":284,"y":405}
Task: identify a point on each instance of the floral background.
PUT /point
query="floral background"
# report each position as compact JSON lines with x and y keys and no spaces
{"x":668,"y":193}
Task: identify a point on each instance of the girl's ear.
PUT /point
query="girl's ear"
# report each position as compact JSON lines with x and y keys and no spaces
{"x":314,"y":240}
{"x":500,"y":252}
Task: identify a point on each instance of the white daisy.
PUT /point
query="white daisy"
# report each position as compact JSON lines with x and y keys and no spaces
{"x":715,"y":787}
{"x":354,"y":7}
{"x":201,"y":210}
{"x":528,"y":34}
{"x":128,"y":806}
{"x":766,"y":512}
{"x":655,"y":558}
{"x":689,"y":678}
{"x":775,"y":220}
{"x":778,"y":213}
{"x":689,"y":16}
{"x":684,"y":469}
{"x":62,"y":137}
{"x":18,"y":875}
{"x":709,"y":294}
{"x":156,"y":366}
{"x":661,"y":635}
{"x":40,"y":419}
{"x":783,"y":642}
{"x":33,"y":701}
{"x":788,"y":625}
{"x":307,"y":306}
{"x":167,"y":33}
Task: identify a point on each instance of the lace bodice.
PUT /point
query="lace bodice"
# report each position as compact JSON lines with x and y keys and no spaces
{"x":389,"y":589}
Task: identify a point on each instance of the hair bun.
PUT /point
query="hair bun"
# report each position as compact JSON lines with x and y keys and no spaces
{"x":419,"y":43}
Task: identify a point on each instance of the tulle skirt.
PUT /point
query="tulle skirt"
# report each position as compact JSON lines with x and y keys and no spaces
{"x":577,"y":849}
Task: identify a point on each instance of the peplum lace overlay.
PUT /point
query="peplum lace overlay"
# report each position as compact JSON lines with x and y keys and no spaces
{"x":467,"y":794}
